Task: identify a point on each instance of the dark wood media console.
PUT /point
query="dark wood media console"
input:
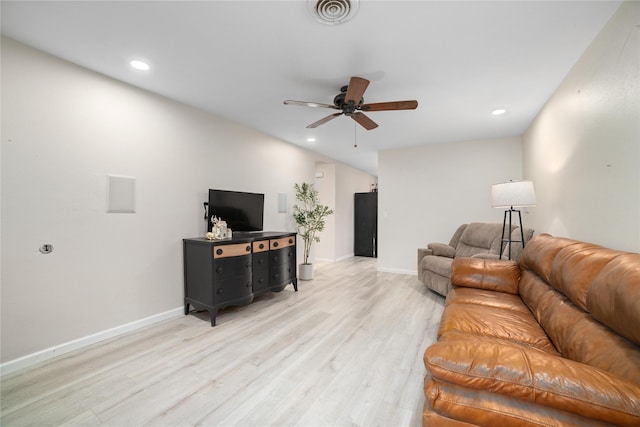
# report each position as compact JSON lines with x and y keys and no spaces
{"x":222,"y":273}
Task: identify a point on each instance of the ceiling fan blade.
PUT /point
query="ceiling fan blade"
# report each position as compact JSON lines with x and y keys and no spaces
{"x":309,"y":104}
{"x":323,"y":121}
{"x":394,"y":105}
{"x":355,"y":90}
{"x":364,"y":121}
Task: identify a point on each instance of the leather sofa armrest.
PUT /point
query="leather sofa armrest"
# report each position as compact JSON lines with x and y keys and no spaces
{"x":489,"y":274}
{"x":442,"y":249}
{"x":534,"y":376}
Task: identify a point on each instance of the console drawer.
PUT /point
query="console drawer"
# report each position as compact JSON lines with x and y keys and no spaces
{"x":282,"y":242}
{"x":260,"y":246}
{"x":238,"y":266}
{"x":225,"y":251}
{"x":282,"y":256}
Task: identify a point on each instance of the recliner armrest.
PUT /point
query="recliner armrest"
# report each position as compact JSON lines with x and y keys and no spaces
{"x":442,"y":249}
{"x":422,"y":252}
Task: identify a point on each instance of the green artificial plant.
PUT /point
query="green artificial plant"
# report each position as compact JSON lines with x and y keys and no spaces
{"x":309,"y":215}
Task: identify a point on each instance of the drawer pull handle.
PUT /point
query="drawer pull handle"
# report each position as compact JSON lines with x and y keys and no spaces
{"x":220,"y":291}
{"x":261,"y":246}
{"x":219,"y":270}
{"x":275,"y":244}
{"x":219,"y":251}
{"x":290,"y":241}
{"x":248,"y":248}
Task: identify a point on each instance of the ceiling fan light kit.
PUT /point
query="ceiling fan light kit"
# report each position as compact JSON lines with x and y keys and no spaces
{"x":351,"y":103}
{"x":333,"y":12}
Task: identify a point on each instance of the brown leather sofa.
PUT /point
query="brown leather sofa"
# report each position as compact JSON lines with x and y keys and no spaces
{"x":551,"y":341}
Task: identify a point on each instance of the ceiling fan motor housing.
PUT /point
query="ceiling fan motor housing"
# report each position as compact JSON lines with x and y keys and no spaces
{"x":347,"y":108}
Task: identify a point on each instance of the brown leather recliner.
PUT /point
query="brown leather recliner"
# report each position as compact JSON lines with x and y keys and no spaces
{"x":553,"y":340}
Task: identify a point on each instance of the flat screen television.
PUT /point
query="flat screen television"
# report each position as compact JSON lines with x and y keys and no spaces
{"x":242,"y":211}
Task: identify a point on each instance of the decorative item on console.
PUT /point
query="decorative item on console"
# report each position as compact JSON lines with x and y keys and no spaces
{"x":219,"y":230}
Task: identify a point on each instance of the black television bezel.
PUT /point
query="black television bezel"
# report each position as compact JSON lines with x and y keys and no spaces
{"x":257,"y":199}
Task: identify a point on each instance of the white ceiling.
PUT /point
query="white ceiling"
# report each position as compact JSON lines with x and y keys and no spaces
{"x":241,"y":59}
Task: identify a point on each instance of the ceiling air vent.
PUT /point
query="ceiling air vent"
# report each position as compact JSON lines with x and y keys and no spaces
{"x":333,"y":12}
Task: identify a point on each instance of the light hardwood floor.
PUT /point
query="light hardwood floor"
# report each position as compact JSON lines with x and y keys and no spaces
{"x":346,"y":350}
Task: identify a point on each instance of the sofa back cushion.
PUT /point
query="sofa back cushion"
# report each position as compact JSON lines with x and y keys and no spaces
{"x":455,"y":239}
{"x":479,"y":238}
{"x":587,"y":299}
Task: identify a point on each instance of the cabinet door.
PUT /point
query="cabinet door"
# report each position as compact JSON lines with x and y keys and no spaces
{"x":260,"y":272}
{"x":233,"y":291}
{"x":282,"y":267}
{"x":232,"y":279}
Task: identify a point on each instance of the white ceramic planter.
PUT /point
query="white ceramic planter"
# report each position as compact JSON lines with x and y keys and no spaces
{"x":305,"y":272}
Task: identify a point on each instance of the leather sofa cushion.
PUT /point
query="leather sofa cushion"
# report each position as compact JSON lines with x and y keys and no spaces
{"x":576,"y":334}
{"x":516,"y":374}
{"x":487,"y":298}
{"x":504,"y":276}
{"x":584,"y":293}
{"x":459,"y":406}
{"x":477,"y":313}
{"x":614,"y":296}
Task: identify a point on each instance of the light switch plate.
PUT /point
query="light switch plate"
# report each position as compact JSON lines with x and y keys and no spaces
{"x":121,"y":194}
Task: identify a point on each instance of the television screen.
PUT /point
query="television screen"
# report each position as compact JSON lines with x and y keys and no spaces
{"x":241,"y":211}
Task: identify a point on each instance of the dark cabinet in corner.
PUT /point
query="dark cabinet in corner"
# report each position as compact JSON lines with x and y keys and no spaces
{"x":222,"y":273}
{"x":365,"y":234}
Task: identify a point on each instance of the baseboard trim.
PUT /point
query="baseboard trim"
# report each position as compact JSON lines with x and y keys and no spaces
{"x":398,"y":271}
{"x":59,"y":350}
{"x":342,"y":258}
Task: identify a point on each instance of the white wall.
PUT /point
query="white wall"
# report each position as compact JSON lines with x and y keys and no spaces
{"x":65,"y":128}
{"x":325,"y":249}
{"x":583,"y":150}
{"x":349,"y":181}
{"x":336,"y":189}
{"x":426,"y":192}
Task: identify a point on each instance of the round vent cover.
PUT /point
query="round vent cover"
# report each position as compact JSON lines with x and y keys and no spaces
{"x":333,"y":12}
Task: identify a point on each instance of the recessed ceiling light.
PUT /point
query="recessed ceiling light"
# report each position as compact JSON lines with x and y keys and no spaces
{"x":139,"y":65}
{"x":499,"y":112}
{"x":311,"y":139}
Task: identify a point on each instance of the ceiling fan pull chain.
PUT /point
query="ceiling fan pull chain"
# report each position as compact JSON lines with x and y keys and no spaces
{"x":355,"y":135}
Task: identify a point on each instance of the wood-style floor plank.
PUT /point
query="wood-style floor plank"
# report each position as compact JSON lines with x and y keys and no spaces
{"x":346,"y":350}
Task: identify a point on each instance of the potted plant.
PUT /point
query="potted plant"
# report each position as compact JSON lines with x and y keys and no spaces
{"x":310,"y":216}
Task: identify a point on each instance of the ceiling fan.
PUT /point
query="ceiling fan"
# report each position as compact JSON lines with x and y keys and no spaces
{"x":351,"y":103}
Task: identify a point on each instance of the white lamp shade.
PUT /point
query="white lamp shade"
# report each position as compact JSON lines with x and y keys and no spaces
{"x":513,"y":193}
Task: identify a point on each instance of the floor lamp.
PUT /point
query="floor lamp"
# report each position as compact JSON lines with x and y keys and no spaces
{"x":509,"y":195}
